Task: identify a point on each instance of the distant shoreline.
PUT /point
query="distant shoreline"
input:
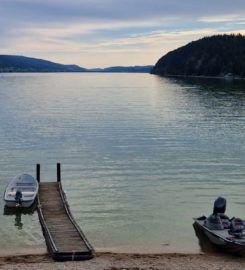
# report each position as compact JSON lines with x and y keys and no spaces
{"x":228,"y":78}
{"x":36,"y":72}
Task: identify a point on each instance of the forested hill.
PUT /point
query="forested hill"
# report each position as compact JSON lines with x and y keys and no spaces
{"x":123,"y":69}
{"x":13,"y":63}
{"x":219,"y":55}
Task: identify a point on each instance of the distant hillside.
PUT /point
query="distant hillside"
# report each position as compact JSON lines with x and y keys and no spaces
{"x":132,"y":69}
{"x":219,"y":55}
{"x":12,"y":63}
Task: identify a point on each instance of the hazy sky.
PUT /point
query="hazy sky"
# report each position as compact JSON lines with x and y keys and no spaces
{"x":100,"y":33}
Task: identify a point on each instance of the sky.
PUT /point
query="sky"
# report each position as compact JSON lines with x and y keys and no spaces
{"x":103,"y":33}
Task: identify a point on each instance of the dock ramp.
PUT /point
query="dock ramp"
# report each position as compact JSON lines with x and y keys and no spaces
{"x":64,"y":239}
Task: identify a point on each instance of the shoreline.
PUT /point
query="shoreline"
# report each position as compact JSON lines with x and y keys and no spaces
{"x":225,"y":78}
{"x":120,"y":261}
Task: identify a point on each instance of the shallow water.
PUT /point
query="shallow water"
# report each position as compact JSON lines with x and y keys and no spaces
{"x":141,"y":155}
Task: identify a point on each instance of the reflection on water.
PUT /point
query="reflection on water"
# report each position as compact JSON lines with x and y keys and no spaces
{"x":18,"y":222}
{"x":20,"y":232}
{"x":141,"y":154}
{"x":17,"y":212}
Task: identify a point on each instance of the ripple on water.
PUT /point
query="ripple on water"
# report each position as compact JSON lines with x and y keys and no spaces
{"x":139,"y":153}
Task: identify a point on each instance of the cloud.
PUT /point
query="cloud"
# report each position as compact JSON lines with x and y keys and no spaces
{"x":91,"y":32}
{"x":113,"y":10}
{"x":221,"y":18}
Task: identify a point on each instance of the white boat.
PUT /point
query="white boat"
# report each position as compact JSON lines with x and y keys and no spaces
{"x":21,"y":191}
{"x":220,"y":231}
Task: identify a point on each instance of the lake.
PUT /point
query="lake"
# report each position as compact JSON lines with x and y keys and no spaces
{"x":141,"y":155}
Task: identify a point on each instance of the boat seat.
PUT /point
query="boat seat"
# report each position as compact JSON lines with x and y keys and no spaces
{"x":24,"y":193}
{"x":28,"y":193}
{"x":11,"y":193}
{"x":24,"y":184}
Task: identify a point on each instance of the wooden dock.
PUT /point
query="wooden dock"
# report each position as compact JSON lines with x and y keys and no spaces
{"x":64,"y":239}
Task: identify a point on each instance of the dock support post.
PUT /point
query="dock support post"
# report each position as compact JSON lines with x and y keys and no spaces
{"x":58,"y":173}
{"x":38,"y":173}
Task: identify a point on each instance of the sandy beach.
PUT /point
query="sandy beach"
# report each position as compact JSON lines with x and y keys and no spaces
{"x":116,"y":261}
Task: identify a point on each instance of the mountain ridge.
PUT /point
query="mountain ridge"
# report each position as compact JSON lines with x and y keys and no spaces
{"x":17,"y":63}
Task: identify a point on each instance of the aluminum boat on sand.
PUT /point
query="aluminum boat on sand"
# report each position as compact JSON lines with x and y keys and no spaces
{"x":221,"y":231}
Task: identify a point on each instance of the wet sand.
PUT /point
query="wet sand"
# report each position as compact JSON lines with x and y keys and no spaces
{"x":116,"y":261}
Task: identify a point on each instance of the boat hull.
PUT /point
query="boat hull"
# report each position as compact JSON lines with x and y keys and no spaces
{"x":24,"y":204}
{"x":226,"y":244}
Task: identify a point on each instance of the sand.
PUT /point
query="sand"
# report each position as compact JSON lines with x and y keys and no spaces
{"x":116,"y":261}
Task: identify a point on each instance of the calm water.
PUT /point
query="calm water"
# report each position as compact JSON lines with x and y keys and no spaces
{"x":141,"y":155}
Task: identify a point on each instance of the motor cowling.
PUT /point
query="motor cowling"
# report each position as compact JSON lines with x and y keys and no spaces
{"x":219,"y":206}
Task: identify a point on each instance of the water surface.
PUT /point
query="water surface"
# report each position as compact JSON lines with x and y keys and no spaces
{"x":141,"y":155}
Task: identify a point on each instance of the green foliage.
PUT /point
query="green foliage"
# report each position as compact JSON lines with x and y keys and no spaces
{"x":210,"y":56}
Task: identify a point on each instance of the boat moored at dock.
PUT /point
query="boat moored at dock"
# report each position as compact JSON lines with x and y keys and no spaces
{"x":21,"y":191}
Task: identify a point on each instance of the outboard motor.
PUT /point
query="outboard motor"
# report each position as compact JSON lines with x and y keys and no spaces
{"x":218,"y":220}
{"x":18,"y":197}
{"x":219,"y":206}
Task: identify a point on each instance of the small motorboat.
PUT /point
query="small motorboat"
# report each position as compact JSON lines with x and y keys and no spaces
{"x":21,"y":191}
{"x":221,"y":231}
